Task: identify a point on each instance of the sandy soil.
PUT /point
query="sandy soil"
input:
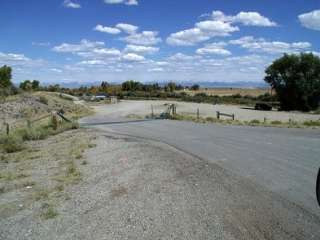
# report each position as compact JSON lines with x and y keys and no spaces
{"x":242,"y":113}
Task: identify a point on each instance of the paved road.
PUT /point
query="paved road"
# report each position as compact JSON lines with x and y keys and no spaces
{"x":285,"y":161}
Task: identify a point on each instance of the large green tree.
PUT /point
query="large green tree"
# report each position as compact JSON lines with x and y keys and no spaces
{"x":5,"y":77}
{"x":296,"y":80}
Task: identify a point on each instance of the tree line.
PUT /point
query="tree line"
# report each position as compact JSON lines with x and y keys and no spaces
{"x":294,"y":77}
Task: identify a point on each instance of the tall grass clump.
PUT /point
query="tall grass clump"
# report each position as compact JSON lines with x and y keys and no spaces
{"x":12,"y":143}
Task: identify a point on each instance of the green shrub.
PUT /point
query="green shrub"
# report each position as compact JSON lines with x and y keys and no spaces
{"x":255,"y":121}
{"x":12,"y":143}
{"x":32,"y":133}
{"x":43,"y":100}
{"x":312,"y":123}
{"x":276,"y":122}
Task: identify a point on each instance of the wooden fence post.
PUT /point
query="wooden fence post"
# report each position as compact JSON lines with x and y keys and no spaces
{"x":232,"y":117}
{"x":7,"y":129}
{"x":198,"y":114}
{"x":152,"y":113}
{"x":218,"y":114}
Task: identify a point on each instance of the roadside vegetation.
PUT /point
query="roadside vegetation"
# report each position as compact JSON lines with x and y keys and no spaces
{"x":254,"y":122}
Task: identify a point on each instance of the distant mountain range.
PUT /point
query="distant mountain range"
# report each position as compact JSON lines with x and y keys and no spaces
{"x":242,"y":84}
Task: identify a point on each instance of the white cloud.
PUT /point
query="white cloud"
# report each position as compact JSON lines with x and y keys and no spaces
{"x":311,"y":20}
{"x":127,"y":2}
{"x":132,"y":57}
{"x":127,"y":28}
{"x":245,"y":18}
{"x":144,"y":38}
{"x":202,"y":31}
{"x":180,"y":57}
{"x":84,"y":45}
{"x":141,"y":49}
{"x":106,"y":29}
{"x":274,"y":47}
{"x":214,"y":49}
{"x":41,"y":44}
{"x":71,"y":4}
{"x":159,"y":69}
{"x":13,"y":57}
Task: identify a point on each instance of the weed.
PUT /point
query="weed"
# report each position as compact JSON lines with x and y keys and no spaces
{"x":12,"y":143}
{"x":44,"y":100}
{"x":49,"y":212}
{"x":41,"y":194}
{"x":92,"y":145}
{"x":254,"y":121}
{"x":312,"y":123}
{"x":276,"y":122}
{"x":84,"y":162}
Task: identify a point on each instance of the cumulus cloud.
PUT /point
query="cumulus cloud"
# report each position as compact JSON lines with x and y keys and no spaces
{"x":132,"y":57}
{"x":127,"y":28}
{"x":217,"y":25}
{"x":202,"y":31}
{"x":245,"y":18}
{"x":12,"y":57}
{"x":83,"y":46}
{"x":105,"y":29}
{"x":311,"y":20}
{"x":214,"y":49}
{"x":144,"y":38}
{"x":141,"y":49}
{"x":71,"y":4}
{"x":127,"y":2}
{"x":272,"y":47}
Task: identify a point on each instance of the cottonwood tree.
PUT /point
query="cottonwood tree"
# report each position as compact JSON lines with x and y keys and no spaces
{"x":296,"y":80}
{"x":5,"y":82}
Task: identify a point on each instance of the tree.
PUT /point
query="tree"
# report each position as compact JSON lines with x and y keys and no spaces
{"x":171,"y":87}
{"x":26,"y":85}
{"x":195,"y":87}
{"x":296,"y":80}
{"x":5,"y":77}
{"x":5,"y":83}
{"x":131,"y":86}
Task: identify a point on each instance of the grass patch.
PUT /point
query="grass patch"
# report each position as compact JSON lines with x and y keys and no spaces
{"x":254,"y":122}
{"x":312,"y":123}
{"x":41,"y":194}
{"x":12,"y":143}
{"x":49,"y":212}
{"x":11,"y":176}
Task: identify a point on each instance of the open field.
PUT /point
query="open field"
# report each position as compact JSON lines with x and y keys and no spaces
{"x":254,"y":92}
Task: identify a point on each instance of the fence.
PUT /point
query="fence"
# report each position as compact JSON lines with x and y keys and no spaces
{"x":219,"y":114}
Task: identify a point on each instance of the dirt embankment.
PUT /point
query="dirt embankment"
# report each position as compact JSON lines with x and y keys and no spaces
{"x":17,"y":109}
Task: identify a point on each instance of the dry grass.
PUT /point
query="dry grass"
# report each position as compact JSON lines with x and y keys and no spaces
{"x":229,"y":91}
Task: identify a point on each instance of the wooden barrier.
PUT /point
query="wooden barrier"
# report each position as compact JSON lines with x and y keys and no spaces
{"x":225,"y":114}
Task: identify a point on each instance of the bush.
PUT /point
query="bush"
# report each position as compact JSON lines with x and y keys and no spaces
{"x":312,"y":123}
{"x":43,"y":100}
{"x":255,"y":121}
{"x":12,"y":143}
{"x":32,"y":133}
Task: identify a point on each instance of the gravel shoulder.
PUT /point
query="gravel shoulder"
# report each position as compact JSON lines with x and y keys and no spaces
{"x":139,"y":189}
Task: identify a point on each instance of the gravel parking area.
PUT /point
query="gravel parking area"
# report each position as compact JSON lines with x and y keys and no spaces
{"x":242,"y":113}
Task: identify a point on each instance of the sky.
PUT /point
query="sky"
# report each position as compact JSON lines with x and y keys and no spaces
{"x":64,"y":41}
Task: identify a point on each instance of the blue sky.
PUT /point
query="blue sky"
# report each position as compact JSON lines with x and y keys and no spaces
{"x":153,"y":40}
